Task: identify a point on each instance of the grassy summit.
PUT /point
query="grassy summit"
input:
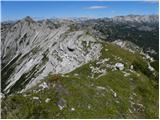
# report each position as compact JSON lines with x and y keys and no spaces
{"x":94,"y":90}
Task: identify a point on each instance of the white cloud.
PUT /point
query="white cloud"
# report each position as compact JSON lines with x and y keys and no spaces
{"x":96,"y":7}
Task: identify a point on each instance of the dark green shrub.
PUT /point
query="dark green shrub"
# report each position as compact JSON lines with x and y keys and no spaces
{"x":142,"y":66}
{"x":155,"y":65}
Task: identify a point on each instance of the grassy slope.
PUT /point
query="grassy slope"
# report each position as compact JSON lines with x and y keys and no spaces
{"x":110,"y":96}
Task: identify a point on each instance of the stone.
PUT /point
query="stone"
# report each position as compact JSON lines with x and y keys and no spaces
{"x":150,"y":67}
{"x":47,"y":100}
{"x":35,"y":98}
{"x":115,"y":94}
{"x":131,"y":67}
{"x":100,"y":87}
{"x":72,"y":109}
{"x":60,"y":107}
{"x":44,"y":85}
{"x":119,"y":66}
{"x":2,"y":95}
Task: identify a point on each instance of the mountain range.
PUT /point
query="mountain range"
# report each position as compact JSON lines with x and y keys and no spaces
{"x":80,"y":68}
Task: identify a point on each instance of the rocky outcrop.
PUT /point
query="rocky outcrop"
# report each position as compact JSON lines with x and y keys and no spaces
{"x":32,"y":50}
{"x":127,"y":45}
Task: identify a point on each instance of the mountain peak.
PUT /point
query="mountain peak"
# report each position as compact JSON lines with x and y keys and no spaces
{"x":28,"y":18}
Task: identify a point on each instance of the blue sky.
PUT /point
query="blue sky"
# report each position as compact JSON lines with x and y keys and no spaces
{"x":13,"y":10}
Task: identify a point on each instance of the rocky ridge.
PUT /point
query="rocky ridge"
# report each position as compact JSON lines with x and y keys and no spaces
{"x":31,"y":50}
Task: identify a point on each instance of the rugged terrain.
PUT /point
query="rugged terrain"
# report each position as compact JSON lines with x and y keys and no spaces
{"x":96,"y":68}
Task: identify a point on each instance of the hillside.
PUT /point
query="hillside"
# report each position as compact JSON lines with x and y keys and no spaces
{"x":70,"y":69}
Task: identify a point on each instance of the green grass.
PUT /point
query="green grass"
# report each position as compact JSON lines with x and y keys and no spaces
{"x":113,"y":50}
{"x":91,"y":97}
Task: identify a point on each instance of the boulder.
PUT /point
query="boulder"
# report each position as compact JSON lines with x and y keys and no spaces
{"x":119,"y":66}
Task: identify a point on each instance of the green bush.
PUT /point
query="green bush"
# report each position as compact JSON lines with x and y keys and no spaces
{"x":155,"y":65}
{"x":142,"y":67}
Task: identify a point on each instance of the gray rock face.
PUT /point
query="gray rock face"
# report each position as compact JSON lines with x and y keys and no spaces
{"x":31,"y":50}
{"x":127,"y":45}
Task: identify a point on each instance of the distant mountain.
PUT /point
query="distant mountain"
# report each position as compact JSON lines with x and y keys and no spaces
{"x":151,"y":19}
{"x":141,"y":30}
